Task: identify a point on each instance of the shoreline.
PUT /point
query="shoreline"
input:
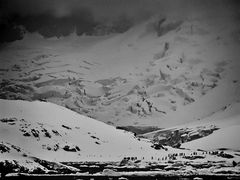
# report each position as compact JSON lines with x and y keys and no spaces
{"x":133,"y":175}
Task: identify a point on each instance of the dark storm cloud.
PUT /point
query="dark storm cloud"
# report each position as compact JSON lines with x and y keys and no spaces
{"x":60,"y":8}
{"x":111,"y":8}
{"x":61,"y":17}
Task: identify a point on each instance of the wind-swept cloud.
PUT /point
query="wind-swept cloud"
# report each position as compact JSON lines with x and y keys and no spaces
{"x":61,"y":17}
{"x":137,"y":9}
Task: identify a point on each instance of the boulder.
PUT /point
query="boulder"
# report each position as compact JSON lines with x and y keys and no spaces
{"x":110,"y":172}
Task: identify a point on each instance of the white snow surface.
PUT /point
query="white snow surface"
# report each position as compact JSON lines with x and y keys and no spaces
{"x":113,"y":144}
{"x":227,"y":120}
{"x":226,"y":137}
{"x":67,"y":71}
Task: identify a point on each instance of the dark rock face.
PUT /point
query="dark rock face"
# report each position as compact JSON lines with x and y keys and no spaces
{"x":175,"y":138}
{"x":4,"y":148}
{"x":11,"y":90}
{"x":71,"y":149}
{"x":225,"y":155}
{"x":157,"y":146}
{"x":193,"y":157}
{"x":7,"y":167}
{"x":162,"y":28}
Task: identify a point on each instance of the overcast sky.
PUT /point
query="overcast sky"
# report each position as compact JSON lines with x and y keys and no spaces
{"x":111,"y":8}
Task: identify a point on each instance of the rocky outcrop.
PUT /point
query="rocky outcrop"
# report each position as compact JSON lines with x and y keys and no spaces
{"x":176,"y":137}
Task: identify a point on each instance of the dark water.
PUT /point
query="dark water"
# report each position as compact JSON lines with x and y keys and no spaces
{"x":66,"y":177}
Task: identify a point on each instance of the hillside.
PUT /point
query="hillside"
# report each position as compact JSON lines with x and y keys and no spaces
{"x":217,"y":131}
{"x":39,"y":137}
{"x":34,"y":132}
{"x":51,"y":132}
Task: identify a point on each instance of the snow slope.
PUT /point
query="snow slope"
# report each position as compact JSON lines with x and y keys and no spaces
{"x":45,"y":129}
{"x":228,"y":120}
{"x":39,"y":136}
{"x":219,"y":130}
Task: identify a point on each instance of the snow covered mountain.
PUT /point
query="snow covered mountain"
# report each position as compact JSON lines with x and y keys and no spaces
{"x":150,"y":75}
{"x":179,"y":75}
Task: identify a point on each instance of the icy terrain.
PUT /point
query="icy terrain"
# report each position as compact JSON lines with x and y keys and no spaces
{"x":178,"y":75}
{"x":147,"y":76}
